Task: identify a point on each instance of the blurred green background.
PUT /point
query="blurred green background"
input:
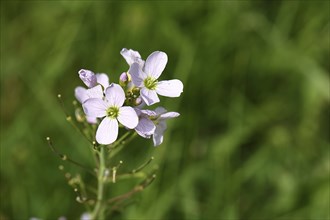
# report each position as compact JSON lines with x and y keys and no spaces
{"x":252,"y":141}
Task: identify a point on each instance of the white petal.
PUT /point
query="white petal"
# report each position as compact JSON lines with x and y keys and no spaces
{"x":158,"y":135}
{"x":170,"y":88}
{"x":107,"y":132}
{"x":128,"y":117}
{"x":95,"y":107}
{"x":168,"y":115}
{"x":80,"y":94}
{"x":155,"y":64}
{"x":137,"y":74}
{"x":102,"y":79}
{"x":115,"y":95}
{"x":145,"y":128}
{"x":95,"y":92}
{"x":149,"y":96}
{"x":132,"y":56}
{"x":138,"y":111}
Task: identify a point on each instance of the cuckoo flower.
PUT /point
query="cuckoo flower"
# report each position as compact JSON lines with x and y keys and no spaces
{"x":112,"y":109}
{"x":145,"y":127}
{"x":146,"y":79}
{"x":153,"y":123}
{"x":162,"y":116}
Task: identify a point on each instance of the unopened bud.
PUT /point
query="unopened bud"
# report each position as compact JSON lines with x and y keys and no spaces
{"x":138,"y":101}
{"x":123,"y":79}
{"x":79,"y":115}
{"x":136,"y":91}
{"x":88,"y":77}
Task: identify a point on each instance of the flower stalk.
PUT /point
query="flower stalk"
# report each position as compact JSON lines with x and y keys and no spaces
{"x":111,"y":115}
{"x":99,"y":209}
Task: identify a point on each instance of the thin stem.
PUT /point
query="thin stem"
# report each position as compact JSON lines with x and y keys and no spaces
{"x":142,"y":166}
{"x":66,"y":158}
{"x":135,"y":190}
{"x":69,"y":118}
{"x":98,"y":212}
{"x":120,"y":144}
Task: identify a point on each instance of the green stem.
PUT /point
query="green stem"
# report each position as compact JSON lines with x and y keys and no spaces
{"x":119,"y":145}
{"x":119,"y":141}
{"x":98,"y":212}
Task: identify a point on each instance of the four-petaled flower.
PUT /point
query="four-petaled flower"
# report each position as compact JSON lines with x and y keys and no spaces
{"x":146,"y":79}
{"x":154,"y":123}
{"x":112,"y":109}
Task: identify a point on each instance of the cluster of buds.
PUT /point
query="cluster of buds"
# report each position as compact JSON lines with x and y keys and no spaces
{"x":112,"y":105}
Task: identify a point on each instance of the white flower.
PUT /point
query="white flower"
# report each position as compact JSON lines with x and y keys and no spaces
{"x":112,"y":109}
{"x":154,"y":123}
{"x":146,"y":79}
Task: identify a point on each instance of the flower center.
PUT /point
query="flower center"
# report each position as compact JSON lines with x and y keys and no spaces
{"x":150,"y":83}
{"x":113,"y":112}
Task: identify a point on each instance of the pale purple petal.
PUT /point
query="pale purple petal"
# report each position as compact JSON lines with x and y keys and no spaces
{"x":145,"y":128}
{"x":168,"y":115}
{"x":138,"y":111}
{"x":155,"y":64}
{"x":148,"y":112}
{"x":102,"y":79}
{"x":160,"y":110}
{"x":88,"y":77}
{"x":170,"y":88}
{"x":107,"y":132}
{"x":128,"y":117}
{"x":132,"y":56}
{"x":149,"y":96}
{"x":95,"y":92}
{"x":158,"y":134}
{"x":95,"y":107}
{"x":80,"y":94}
{"x":91,"y":120}
{"x":137,"y":74}
{"x":115,"y":95}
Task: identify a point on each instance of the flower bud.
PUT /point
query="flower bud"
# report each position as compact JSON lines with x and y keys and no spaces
{"x":123,"y":79}
{"x":79,"y":115}
{"x":88,"y":77}
{"x":136,"y":91}
{"x":138,"y":101}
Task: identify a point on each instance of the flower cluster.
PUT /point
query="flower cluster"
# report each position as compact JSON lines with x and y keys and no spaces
{"x":113,"y":105}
